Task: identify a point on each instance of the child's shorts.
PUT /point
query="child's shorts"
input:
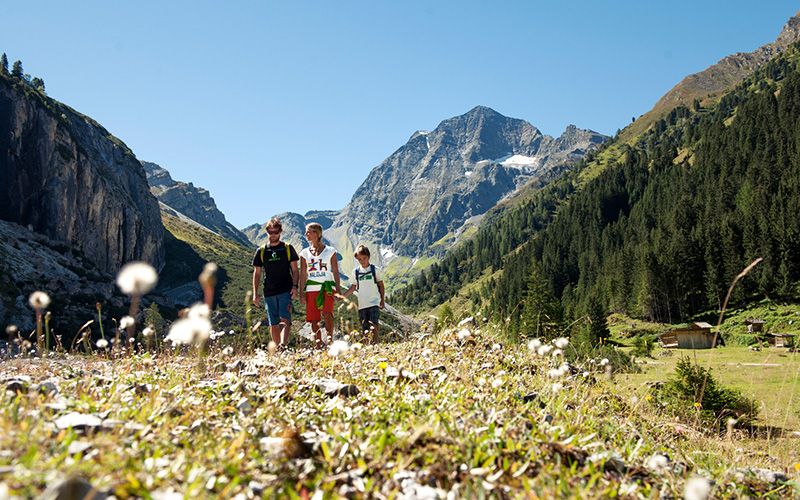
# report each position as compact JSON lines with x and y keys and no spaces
{"x":369,"y":317}
{"x":312,"y":311}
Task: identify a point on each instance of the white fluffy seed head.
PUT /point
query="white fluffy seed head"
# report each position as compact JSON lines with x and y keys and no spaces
{"x":199,"y":311}
{"x":39,"y":300}
{"x":137,"y":278}
{"x":188,"y":331}
{"x":125,"y":322}
{"x":561,"y":342}
{"x":102,"y":344}
{"x":338,"y":347}
{"x":464,"y":334}
{"x":544,"y":350}
{"x":209,"y":275}
{"x":534,"y":344}
{"x":697,"y":488}
{"x":604,"y":362}
{"x":148,"y":331}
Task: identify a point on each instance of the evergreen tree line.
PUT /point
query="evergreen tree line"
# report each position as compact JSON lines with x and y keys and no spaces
{"x":662,"y":233}
{"x":18,"y":73}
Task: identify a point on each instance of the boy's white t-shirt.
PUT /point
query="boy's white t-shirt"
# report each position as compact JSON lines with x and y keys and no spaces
{"x":368,"y":293}
{"x":319,"y":266}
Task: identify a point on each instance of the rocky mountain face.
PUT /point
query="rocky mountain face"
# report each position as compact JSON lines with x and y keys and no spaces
{"x":195,"y":203}
{"x":65,"y":177}
{"x":440,"y":180}
{"x":718,"y":78}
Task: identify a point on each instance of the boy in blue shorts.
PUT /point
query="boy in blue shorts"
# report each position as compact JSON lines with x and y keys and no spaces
{"x":278,"y":261}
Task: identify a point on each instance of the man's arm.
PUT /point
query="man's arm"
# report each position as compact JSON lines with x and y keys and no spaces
{"x":303,"y":278}
{"x":381,"y":290}
{"x":256,"y":282}
{"x":295,"y":279}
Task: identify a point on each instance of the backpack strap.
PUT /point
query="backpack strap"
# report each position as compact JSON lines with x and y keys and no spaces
{"x":374,"y":276}
{"x":358,"y":281}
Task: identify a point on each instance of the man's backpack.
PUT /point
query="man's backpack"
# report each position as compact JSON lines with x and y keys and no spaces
{"x":371,"y":270}
{"x":263,"y":249}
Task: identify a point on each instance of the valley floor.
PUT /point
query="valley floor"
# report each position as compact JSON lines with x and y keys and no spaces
{"x":430,"y":417}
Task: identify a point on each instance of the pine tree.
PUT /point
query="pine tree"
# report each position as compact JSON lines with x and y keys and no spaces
{"x":4,"y":64}
{"x":598,"y":319}
{"x":541,"y":310}
{"x":16,"y":70}
{"x":38,"y":83}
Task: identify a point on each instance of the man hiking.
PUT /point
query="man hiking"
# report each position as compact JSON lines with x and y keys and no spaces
{"x":278,"y":261}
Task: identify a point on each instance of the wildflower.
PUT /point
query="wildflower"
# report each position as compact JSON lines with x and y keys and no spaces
{"x":189,"y":331}
{"x":209,"y":275}
{"x":464,"y":334}
{"x":556,"y":387}
{"x":496,"y":347}
{"x":137,"y":278}
{"x":39,"y":300}
{"x":102,"y":344}
{"x":338,"y":347}
{"x":697,"y":488}
{"x":561,"y":342}
{"x":148,"y":331}
{"x":497,"y":383}
{"x":604,"y":362}
{"x":555,"y":373}
{"x":534,"y":344}
{"x":126,"y":322}
{"x":227,"y":351}
{"x":657,"y":462}
{"x":543,"y":350}
{"x":231,"y":332}
{"x":697,"y":405}
{"x":557,"y":352}
{"x":199,"y":311}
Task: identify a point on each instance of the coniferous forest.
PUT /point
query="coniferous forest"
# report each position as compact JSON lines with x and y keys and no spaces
{"x":663,"y":230}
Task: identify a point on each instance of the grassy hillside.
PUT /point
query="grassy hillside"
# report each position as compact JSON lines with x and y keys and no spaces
{"x":189,"y":247}
{"x":506,"y":429}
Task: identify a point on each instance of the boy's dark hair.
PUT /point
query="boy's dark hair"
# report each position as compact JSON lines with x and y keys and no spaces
{"x":361,"y":250}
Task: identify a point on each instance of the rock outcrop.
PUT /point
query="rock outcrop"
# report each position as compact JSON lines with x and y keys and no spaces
{"x":64,"y":176}
{"x":195,"y":203}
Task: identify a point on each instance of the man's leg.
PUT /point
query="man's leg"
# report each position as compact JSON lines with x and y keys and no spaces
{"x":317,"y":336}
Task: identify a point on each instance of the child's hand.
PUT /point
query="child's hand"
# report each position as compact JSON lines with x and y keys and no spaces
{"x":382,"y":304}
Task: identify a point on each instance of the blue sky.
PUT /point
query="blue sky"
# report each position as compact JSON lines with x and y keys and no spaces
{"x":287,"y":106}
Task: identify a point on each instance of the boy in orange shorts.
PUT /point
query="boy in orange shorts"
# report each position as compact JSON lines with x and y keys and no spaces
{"x":319,"y":278}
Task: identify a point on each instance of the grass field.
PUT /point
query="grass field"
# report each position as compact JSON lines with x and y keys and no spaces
{"x":431,"y":416}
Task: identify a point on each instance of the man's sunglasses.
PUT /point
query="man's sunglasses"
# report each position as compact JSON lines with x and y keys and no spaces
{"x":273,"y":232}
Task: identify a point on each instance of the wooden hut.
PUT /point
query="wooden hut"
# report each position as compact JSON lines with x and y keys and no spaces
{"x":754,"y":325}
{"x":696,"y":335}
{"x":780,"y":339}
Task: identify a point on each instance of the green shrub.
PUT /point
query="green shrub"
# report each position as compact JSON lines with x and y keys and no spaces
{"x":643,"y":346}
{"x":694,"y":392}
{"x":583,"y":348}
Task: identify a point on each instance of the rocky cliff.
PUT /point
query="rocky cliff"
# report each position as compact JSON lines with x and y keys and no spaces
{"x":194,"y":203}
{"x":64,"y":176}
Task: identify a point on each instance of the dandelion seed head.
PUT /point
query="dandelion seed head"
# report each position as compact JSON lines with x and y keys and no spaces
{"x":39,"y":300}
{"x":137,"y":278}
{"x":125,"y":322}
{"x":338,"y":347}
{"x":188,"y":331}
{"x":697,"y":488}
{"x":199,"y":311}
{"x":209,"y":275}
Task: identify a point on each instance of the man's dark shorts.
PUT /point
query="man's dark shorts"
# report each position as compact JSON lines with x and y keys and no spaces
{"x":369,"y":317}
{"x":278,"y":308}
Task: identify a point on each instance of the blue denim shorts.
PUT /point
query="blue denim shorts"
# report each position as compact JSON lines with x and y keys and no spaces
{"x":278,"y":307}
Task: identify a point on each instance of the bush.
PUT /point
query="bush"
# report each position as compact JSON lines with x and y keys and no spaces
{"x":643,"y":346}
{"x":685,"y":394}
{"x":582,"y":348}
